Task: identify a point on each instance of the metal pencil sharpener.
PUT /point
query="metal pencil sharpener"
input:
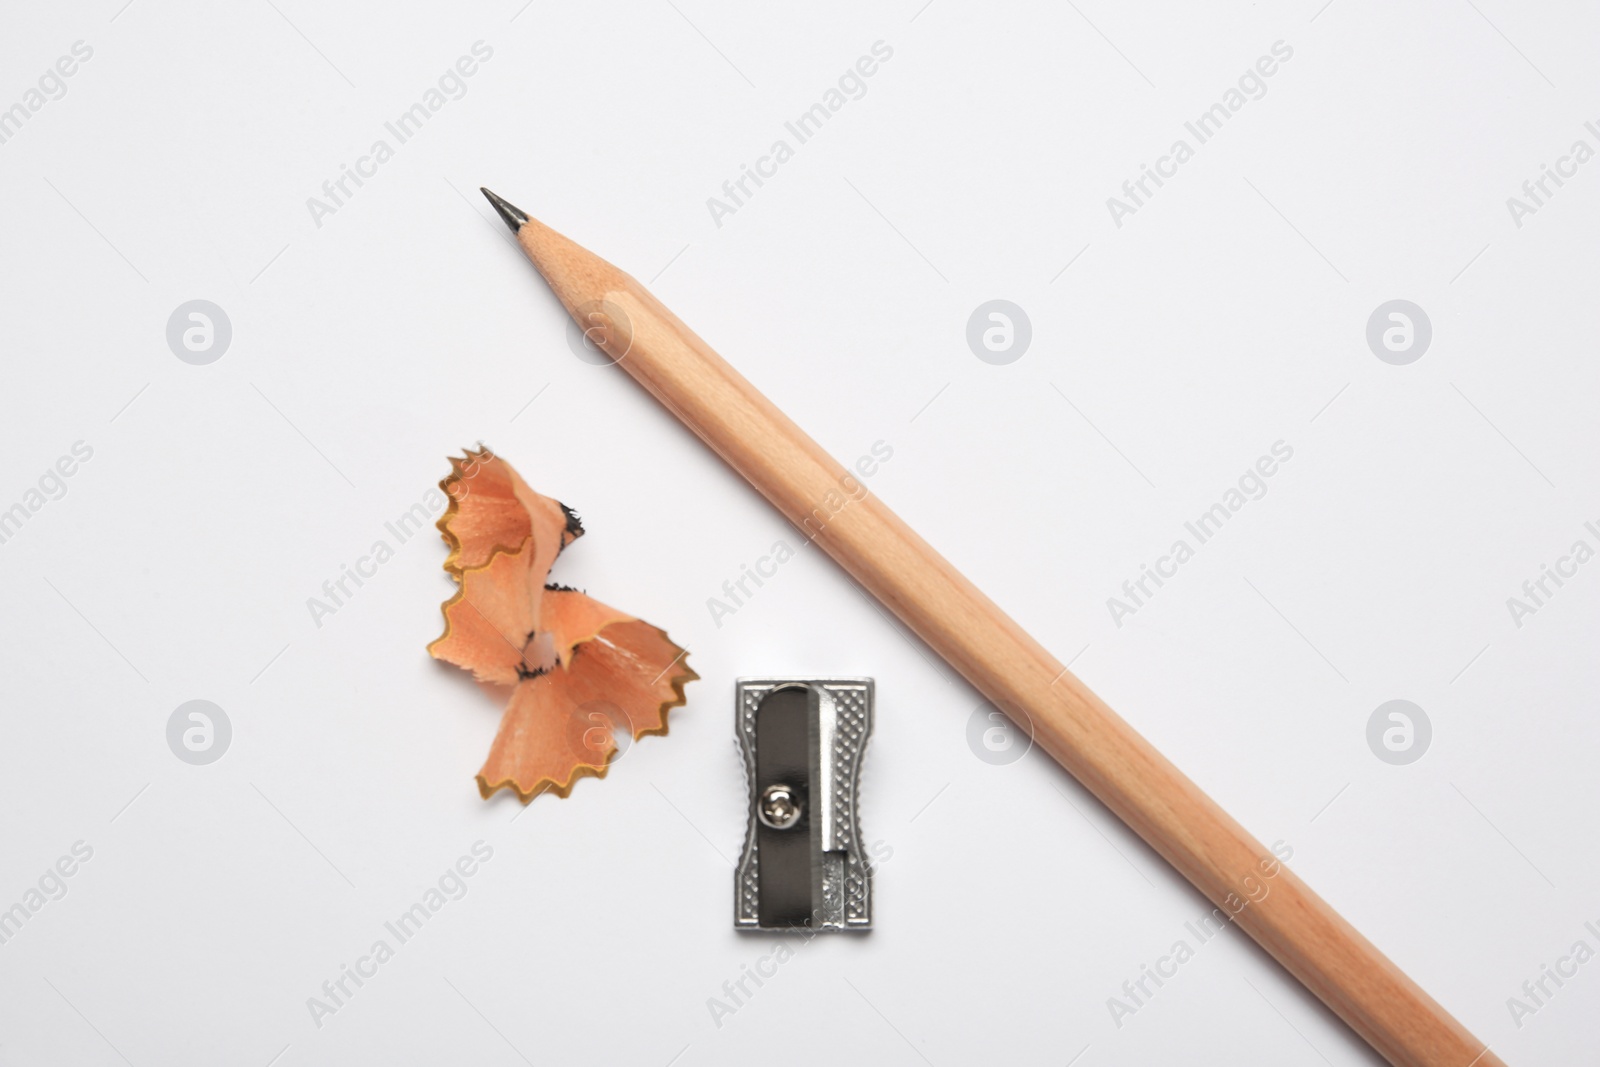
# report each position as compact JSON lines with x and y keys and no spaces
{"x":803,"y":865}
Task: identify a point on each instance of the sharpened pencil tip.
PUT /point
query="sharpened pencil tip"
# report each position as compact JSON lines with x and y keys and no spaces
{"x":513,"y":215}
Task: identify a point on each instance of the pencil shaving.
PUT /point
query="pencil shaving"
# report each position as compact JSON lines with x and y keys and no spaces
{"x":579,"y":670}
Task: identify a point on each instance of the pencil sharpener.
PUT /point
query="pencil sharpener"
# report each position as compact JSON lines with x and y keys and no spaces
{"x":804,"y":864}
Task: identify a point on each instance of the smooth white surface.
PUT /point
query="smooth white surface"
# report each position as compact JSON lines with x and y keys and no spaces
{"x":1227,"y":314}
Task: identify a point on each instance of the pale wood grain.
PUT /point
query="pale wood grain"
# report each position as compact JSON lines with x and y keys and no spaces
{"x":1010,"y":668}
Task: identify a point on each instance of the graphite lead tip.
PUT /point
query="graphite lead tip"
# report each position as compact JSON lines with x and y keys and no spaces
{"x":579,"y":278}
{"x":513,"y":215}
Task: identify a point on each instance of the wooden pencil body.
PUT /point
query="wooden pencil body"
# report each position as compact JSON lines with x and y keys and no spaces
{"x":1009,"y":667}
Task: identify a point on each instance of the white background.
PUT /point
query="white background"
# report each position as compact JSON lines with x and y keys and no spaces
{"x":1227,"y":314}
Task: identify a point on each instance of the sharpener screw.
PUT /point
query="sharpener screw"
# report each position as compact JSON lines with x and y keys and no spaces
{"x":779,"y":808}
